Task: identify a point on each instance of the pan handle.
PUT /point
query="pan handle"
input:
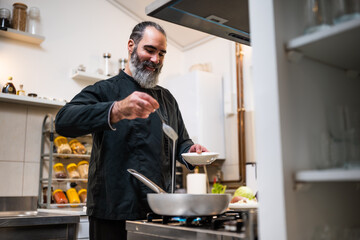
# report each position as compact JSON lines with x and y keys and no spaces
{"x":146,"y":181}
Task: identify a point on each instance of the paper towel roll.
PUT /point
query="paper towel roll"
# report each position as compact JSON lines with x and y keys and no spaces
{"x":196,"y":183}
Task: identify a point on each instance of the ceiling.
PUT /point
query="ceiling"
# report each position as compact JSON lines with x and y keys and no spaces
{"x":181,"y":37}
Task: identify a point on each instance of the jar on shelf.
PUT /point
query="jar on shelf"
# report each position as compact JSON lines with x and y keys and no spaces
{"x":59,"y":172}
{"x":44,"y":193}
{"x":62,"y":145}
{"x":77,"y":147}
{"x":72,"y":171}
{"x":4,"y":18}
{"x":19,"y":16}
{"x":83,"y":168}
{"x":59,"y":197}
{"x":33,"y":25}
{"x":83,"y":195}
{"x":73,"y":196}
{"x":88,"y":148}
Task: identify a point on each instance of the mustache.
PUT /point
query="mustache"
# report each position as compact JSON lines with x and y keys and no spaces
{"x":150,"y":64}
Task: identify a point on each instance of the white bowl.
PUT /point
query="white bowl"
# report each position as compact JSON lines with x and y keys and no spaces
{"x":203,"y":158}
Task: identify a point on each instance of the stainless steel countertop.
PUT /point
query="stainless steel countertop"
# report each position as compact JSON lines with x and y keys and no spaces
{"x":31,"y":218}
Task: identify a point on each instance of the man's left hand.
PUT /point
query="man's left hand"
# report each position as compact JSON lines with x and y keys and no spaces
{"x":198,"y":148}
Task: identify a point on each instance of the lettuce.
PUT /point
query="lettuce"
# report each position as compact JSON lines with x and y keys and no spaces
{"x":218,"y":188}
{"x":244,"y":191}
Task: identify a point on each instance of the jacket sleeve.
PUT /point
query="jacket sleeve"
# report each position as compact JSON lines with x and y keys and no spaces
{"x":86,"y":113}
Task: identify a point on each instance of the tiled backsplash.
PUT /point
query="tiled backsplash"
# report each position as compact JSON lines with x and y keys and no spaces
{"x":20,"y":130}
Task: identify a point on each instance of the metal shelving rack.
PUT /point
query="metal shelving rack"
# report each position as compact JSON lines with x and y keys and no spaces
{"x":48,"y":133}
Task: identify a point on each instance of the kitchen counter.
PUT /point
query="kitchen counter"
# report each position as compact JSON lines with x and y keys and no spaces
{"x":37,"y":225}
{"x":67,"y":211}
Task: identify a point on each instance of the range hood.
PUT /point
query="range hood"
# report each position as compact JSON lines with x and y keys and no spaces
{"x":228,"y":19}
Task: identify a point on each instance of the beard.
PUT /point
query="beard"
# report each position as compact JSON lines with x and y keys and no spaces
{"x":143,"y":76}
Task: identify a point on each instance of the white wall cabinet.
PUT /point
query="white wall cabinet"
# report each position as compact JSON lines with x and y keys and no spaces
{"x":292,"y":99}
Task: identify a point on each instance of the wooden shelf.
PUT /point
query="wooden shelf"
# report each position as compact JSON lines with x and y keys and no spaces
{"x":22,"y":36}
{"x":328,"y":175}
{"x":92,"y":77}
{"x":337,"y":46}
{"x":32,"y":101}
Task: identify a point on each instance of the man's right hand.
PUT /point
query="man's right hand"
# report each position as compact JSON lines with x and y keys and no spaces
{"x":136,"y":105}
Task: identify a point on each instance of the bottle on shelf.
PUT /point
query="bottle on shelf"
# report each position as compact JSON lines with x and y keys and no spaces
{"x":73,"y":196}
{"x":9,"y":87}
{"x":107,"y":57}
{"x":21,"y":92}
{"x":122,"y":62}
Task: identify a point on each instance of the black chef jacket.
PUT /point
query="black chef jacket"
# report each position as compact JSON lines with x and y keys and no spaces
{"x":140,"y":144}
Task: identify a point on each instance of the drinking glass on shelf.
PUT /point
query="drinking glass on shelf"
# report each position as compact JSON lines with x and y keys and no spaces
{"x":345,"y":10}
{"x":352,"y":135}
{"x":317,"y":15}
{"x":335,"y":145}
{"x":332,"y":151}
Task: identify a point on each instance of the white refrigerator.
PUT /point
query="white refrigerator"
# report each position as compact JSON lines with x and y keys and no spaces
{"x":200,"y":98}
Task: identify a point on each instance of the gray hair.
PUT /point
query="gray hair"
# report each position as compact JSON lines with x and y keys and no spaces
{"x":138,"y":31}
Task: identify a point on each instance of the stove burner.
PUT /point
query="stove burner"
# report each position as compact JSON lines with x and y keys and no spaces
{"x":229,"y":221}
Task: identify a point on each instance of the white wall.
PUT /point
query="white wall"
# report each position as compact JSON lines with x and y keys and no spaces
{"x":76,"y":32}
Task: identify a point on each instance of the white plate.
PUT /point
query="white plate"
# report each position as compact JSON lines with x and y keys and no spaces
{"x":243,"y":206}
{"x":204,"y":158}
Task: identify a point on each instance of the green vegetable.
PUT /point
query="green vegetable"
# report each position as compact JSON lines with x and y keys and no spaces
{"x":218,"y":188}
{"x":244,"y":191}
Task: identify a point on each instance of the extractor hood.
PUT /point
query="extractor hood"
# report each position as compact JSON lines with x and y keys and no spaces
{"x":226,"y":18}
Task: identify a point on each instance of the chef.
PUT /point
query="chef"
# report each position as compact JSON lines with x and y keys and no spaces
{"x":127,"y":133}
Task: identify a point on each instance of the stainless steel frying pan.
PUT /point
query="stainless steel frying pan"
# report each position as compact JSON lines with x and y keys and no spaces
{"x":181,"y":204}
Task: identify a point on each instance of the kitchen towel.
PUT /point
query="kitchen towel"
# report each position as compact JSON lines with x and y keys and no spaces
{"x":196,"y":183}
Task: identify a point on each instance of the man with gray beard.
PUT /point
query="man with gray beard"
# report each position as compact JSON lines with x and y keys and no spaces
{"x":119,"y":113}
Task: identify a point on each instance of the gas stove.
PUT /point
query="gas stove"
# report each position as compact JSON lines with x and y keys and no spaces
{"x":234,"y":225}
